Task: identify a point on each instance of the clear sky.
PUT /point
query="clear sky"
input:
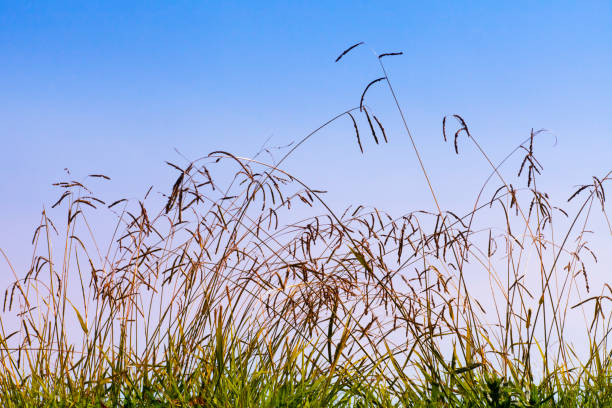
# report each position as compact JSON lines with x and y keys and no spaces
{"x":107,"y":87}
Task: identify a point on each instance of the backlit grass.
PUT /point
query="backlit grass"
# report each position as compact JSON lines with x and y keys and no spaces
{"x":226,"y":295}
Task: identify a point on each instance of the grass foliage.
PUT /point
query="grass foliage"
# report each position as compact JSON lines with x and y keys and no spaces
{"x":227,"y":295}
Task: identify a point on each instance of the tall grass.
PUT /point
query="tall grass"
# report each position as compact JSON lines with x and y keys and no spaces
{"x":222,"y":296}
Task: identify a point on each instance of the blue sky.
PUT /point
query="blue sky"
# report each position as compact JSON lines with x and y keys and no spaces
{"x":105,"y":87}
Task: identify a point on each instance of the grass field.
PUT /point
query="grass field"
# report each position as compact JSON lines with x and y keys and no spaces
{"x":226,"y":295}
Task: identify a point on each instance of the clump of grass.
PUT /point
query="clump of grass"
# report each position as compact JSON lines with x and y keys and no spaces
{"x":223,"y":297}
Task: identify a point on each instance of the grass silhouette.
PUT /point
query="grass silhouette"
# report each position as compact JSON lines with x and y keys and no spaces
{"x":223,"y":298}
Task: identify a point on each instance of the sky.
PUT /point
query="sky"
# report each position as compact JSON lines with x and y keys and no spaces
{"x":116,"y":88}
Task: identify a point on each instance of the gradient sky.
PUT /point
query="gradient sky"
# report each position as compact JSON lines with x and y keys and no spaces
{"x":105,"y":87}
